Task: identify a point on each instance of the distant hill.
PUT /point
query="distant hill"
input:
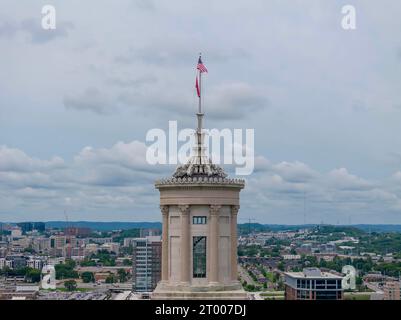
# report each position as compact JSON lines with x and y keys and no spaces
{"x":363,"y":227}
{"x":243,"y":227}
{"x":104,"y":226}
{"x":379,"y":227}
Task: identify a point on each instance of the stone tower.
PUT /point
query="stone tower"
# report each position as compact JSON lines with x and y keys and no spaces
{"x":199,"y":205}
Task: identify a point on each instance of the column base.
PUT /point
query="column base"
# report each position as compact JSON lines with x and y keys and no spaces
{"x":184,"y":284}
{"x":213,"y":291}
{"x":213,"y":284}
{"x":207,"y":287}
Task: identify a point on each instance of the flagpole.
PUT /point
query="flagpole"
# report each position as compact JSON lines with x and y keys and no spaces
{"x":200,"y":91}
{"x":199,"y":134}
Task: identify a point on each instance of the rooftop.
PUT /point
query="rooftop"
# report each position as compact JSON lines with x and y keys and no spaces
{"x":312,"y":273}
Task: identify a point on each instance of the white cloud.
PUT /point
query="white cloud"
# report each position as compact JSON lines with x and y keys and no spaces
{"x":295,"y":171}
{"x":90,"y":100}
{"x":98,"y":180}
{"x":311,"y":91}
{"x":131,"y":155}
{"x":118,"y":179}
{"x":235,"y":101}
{"x":15,"y":160}
{"x":31,"y":28}
{"x":341,"y":179}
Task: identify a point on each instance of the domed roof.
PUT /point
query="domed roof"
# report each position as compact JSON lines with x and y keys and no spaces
{"x":199,"y":166}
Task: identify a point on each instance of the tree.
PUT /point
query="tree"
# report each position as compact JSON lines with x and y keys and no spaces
{"x":70,"y":263}
{"x":33,"y":275}
{"x":130,"y":233}
{"x":66,"y":270}
{"x":250,"y":287}
{"x":87,"y":263}
{"x":127,"y":262}
{"x":20,"y":272}
{"x":87,"y":277}
{"x":70,"y":285}
{"x":110,"y":279}
{"x":105,"y":258}
{"x":5,"y":271}
{"x":280,"y":285}
{"x":122,"y":275}
{"x":29,"y":250}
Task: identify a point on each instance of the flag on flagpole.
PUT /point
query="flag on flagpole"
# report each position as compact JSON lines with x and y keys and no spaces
{"x":197,"y":86}
{"x":200,"y":66}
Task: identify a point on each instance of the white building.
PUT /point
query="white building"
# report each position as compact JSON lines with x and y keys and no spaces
{"x":35,"y":263}
{"x":291,"y":256}
{"x":128,"y":242}
{"x":16,"y":232}
{"x":111,"y":247}
{"x":41,"y":244}
{"x":91,"y":248}
{"x":2,"y":263}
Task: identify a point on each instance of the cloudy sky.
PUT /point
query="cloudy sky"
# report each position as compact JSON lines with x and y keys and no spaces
{"x":325,"y":103}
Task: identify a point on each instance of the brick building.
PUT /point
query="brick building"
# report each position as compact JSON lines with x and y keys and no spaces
{"x":313,"y":284}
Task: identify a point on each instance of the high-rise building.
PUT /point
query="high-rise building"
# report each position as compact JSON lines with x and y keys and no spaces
{"x":58,"y":245}
{"x":77,"y":231}
{"x":41,"y":245}
{"x":35,"y":263}
{"x":313,"y":284}
{"x":58,"y":242}
{"x":199,"y":205}
{"x":2,"y":263}
{"x":30,"y":226}
{"x":112,"y":247}
{"x":16,"y":261}
{"x":149,"y":232}
{"x":146,"y":268}
{"x":16,"y":232}
{"x":3,"y":251}
{"x":392,"y":290}
{"x":127,"y":242}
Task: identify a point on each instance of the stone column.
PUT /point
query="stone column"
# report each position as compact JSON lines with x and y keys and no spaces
{"x":165,"y":211}
{"x":234,"y":262}
{"x":214,"y":244}
{"x":185,"y":244}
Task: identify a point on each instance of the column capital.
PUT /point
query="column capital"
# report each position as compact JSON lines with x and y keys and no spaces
{"x":214,"y":209}
{"x":234,"y":210}
{"x":184,"y":209}
{"x":164,"y":210}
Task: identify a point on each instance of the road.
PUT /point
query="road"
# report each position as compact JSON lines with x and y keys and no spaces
{"x":257,"y":295}
{"x":373,"y":287}
{"x":245,"y":275}
{"x":103,"y":286}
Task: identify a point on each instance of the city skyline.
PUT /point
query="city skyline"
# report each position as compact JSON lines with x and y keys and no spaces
{"x":323,"y":101}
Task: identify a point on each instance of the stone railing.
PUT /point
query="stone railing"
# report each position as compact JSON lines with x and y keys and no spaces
{"x":200,"y":180}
